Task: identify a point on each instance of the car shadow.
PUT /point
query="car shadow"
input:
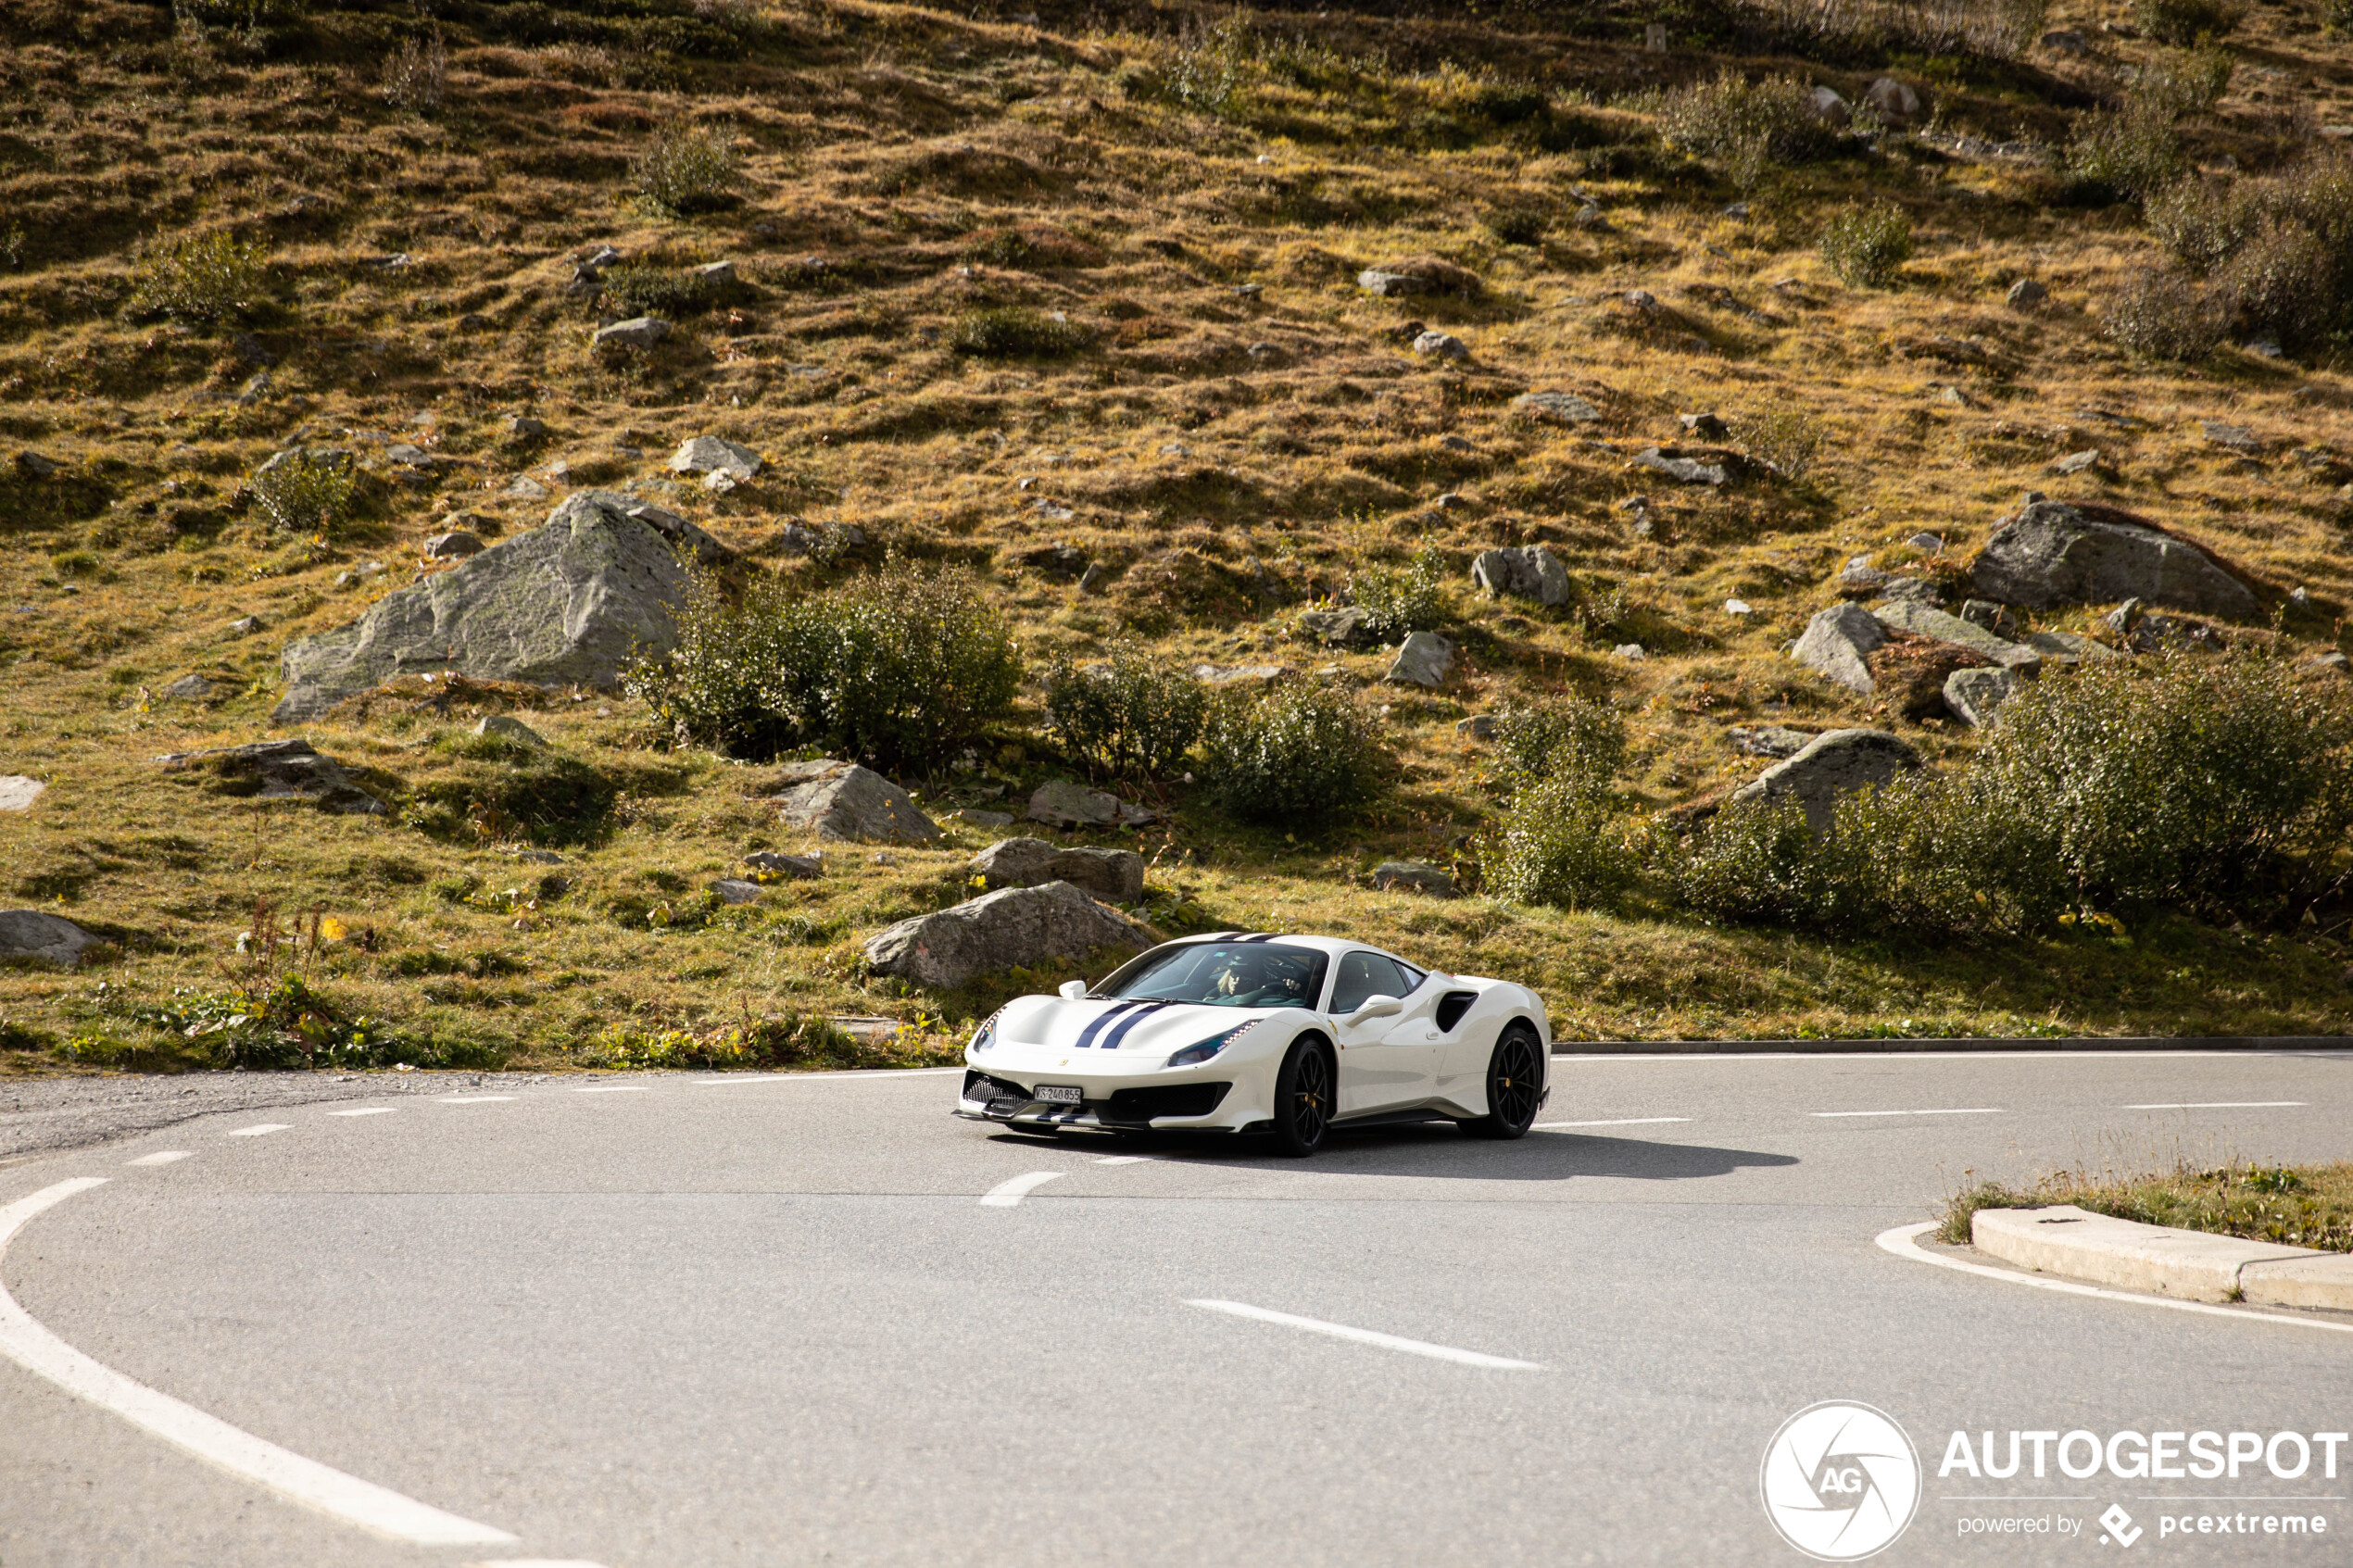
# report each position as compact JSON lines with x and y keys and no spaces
{"x":1434,"y":1151}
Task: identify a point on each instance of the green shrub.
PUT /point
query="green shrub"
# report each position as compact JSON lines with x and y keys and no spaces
{"x":1016,"y":333}
{"x":687,"y":168}
{"x":1125,"y":717}
{"x":306,"y":490}
{"x":2336,"y":17}
{"x":2123,"y":154}
{"x":902,"y":668}
{"x":198,"y":277}
{"x":1396,"y":603}
{"x":1563,"y":843}
{"x":1786,"y":435}
{"x":2186,"y":82}
{"x":2282,"y":281}
{"x":2159,"y":314}
{"x":1865,"y":246}
{"x":638,"y":288}
{"x":1747,"y":126}
{"x":1566,"y":738}
{"x":2202,"y":221}
{"x":1300,"y":756}
{"x":2187,"y":21}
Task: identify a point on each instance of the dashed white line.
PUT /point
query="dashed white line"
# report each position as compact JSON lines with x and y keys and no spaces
{"x":608,"y":1088}
{"x":849,"y":1076}
{"x":364,"y":1110}
{"x":371,"y":1506}
{"x":1970,"y":1111}
{"x":470,"y":1099}
{"x":2221,"y":1105}
{"x":1619,"y":1122}
{"x":1369,"y":1337}
{"x":1006,"y":1195}
{"x":257,"y":1130}
{"x":161,"y":1156}
{"x":1123,"y":1159}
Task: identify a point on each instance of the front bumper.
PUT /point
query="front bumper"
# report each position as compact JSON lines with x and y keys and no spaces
{"x":1192,"y":1103}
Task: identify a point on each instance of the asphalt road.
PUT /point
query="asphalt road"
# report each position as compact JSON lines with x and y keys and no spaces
{"x":696,"y":1322}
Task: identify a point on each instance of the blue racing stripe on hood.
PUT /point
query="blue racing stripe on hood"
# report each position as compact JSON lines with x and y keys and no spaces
{"x":1111,"y":1041}
{"x":1087,"y":1036}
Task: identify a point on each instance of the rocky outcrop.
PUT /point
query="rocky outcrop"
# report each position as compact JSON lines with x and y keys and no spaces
{"x":1556,"y":407}
{"x":2052,"y":553}
{"x":1924,"y":620}
{"x":1972,"y":696}
{"x":1067,"y":804}
{"x":1412,"y":876}
{"x":1837,"y":644}
{"x":568,"y":603}
{"x":843,"y":801}
{"x":1529,"y":571}
{"x":1014,"y":927}
{"x":1424,"y":659}
{"x":1116,"y":875}
{"x":43,"y":939}
{"x":278,"y":769}
{"x":1834,"y":765}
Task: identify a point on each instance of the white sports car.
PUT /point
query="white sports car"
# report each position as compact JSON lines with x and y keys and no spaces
{"x":1283,"y":1035}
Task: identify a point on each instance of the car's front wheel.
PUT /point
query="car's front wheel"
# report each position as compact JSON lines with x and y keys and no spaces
{"x":1514,"y":1086}
{"x":1303,"y":1098}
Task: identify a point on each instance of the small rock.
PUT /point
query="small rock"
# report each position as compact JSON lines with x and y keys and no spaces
{"x":1452,"y":501}
{"x":514,"y":730}
{"x":17,"y":792}
{"x":189,"y":688}
{"x":706,"y":550}
{"x":1445,"y":345}
{"x":734,"y":890}
{"x":251,"y":349}
{"x":1736,"y":606}
{"x":714,"y":274}
{"x":1528,"y":572}
{"x":2329,"y":663}
{"x":43,"y":939}
{"x":1927,"y":544}
{"x":973,"y":817}
{"x":1116,"y":875}
{"x":1832,"y":765}
{"x":1095,"y":579}
{"x":1921,"y":621}
{"x":278,"y":770}
{"x":1236,"y":674}
{"x":1736,"y":210}
{"x":526,"y":488}
{"x":1556,"y":407}
{"x":1014,"y":927}
{"x":2236,"y":438}
{"x":1973,"y":694}
{"x":1336,"y":628}
{"x":844,"y":800}
{"x":2026,"y":293}
{"x":1995,"y":617}
{"x":2084,"y":461}
{"x":2066,"y":41}
{"x":1390,"y":285}
{"x":1479,"y":726}
{"x":1454,"y":443}
{"x":451,"y":545}
{"x":720,"y":482}
{"x":1630,"y":651}
{"x":637,"y":332}
{"x":1591,"y":218}
{"x":1830,"y":108}
{"x":1893,"y":99}
{"x":522,"y":427}
{"x":1859,"y":579}
{"x":1687,"y":471}
{"x":712,"y":454}
{"x":2263,"y":348}
{"x":1706,"y":427}
{"x":1063,"y":561}
{"x":1770,"y":740}
{"x":1414,"y":876}
{"x":1423,"y":660}
{"x":33,"y":465}
{"x":797,"y":868}
{"x":1836,"y":644}
{"x":243,"y":626}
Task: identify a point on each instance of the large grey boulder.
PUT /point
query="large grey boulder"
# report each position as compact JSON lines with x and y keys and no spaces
{"x":1423,"y":660}
{"x":1114,"y":874}
{"x":568,"y":603}
{"x":1836,"y":644}
{"x":1836,"y":764}
{"x":843,"y":801}
{"x":1926,"y":620}
{"x":1412,"y":876}
{"x":1014,"y":927}
{"x":1529,"y":571}
{"x":1973,"y":694}
{"x":278,"y":770}
{"x":2051,"y":554}
{"x":45,"y":938}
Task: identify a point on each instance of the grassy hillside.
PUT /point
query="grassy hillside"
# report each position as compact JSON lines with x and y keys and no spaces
{"x":1081,"y":276}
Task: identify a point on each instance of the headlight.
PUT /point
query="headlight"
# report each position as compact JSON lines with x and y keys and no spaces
{"x":1193,"y":1056}
{"x":986,"y":1036}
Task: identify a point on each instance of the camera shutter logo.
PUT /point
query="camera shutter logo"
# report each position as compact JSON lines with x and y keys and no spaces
{"x":1841,"y":1481}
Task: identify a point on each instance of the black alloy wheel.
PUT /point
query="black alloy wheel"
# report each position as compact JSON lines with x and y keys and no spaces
{"x":1304,"y":1099}
{"x":1514,"y":1086}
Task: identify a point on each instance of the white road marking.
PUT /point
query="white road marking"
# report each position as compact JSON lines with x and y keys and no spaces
{"x":2220,"y":1105}
{"x":734,"y":1078}
{"x":371,"y":1506}
{"x":470,"y":1099}
{"x":1904,"y":1241}
{"x":161,"y":1156}
{"x":364,"y":1110}
{"x":1972,"y":1111}
{"x":536,"y":1562}
{"x":608,"y":1088}
{"x":255,"y":1131}
{"x":1123,"y":1159}
{"x":1620,"y":1122}
{"x":1006,"y":1195}
{"x":1369,"y":1337}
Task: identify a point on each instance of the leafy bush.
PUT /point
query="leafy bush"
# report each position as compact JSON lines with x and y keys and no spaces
{"x":2162,"y":315}
{"x":1747,"y":126}
{"x":1016,"y":333}
{"x":902,"y":668}
{"x":1301,"y":754}
{"x":1396,"y":603}
{"x":306,"y":490}
{"x":2202,"y":221}
{"x":1865,"y":246}
{"x":2282,"y":281}
{"x":198,"y":277}
{"x":1566,"y":738}
{"x":2187,"y":21}
{"x":1564,"y":844}
{"x":1785,"y":435}
{"x":687,"y":168}
{"x":639,"y":288}
{"x":2123,"y":155}
{"x":2186,"y":82}
{"x":1126,"y":716}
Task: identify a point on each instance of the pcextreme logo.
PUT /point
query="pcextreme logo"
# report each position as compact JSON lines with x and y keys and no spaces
{"x":1841,"y":1481}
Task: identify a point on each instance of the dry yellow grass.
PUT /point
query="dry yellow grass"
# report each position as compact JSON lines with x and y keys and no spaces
{"x":1244,"y":434}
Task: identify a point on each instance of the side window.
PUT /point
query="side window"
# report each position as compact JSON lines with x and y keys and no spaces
{"x":1409,"y":977}
{"x":1362,"y":975}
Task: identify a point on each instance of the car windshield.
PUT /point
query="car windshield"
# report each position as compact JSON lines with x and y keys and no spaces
{"x":1233,"y":974}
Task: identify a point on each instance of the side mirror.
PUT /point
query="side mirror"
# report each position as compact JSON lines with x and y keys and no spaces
{"x":1377,"y":1007}
{"x":1073,"y":990}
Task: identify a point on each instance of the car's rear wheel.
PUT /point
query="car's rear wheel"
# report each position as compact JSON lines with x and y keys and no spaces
{"x":1514,"y":1086}
{"x":1303,"y":1098}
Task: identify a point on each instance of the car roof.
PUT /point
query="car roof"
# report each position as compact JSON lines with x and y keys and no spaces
{"x":1322,"y":944}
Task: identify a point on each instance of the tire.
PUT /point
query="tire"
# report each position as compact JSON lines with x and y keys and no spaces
{"x":1303,"y":1098}
{"x":1514,"y":1086}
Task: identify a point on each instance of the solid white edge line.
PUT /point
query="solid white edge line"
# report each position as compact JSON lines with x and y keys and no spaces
{"x":1369,"y":1337}
{"x":2222,"y":1105}
{"x":1972,"y":1111}
{"x":608,"y":1088}
{"x":364,"y":1110}
{"x":255,"y":1132}
{"x":371,"y":1507}
{"x":1903,"y":1241}
{"x":536,"y":1562}
{"x":1123,"y":1159}
{"x":161,"y":1156}
{"x":470,"y":1099}
{"x":1620,"y":1122}
{"x":1008,"y":1194}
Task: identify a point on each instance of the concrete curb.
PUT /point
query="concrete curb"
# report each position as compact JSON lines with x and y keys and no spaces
{"x":1880,"y":1048}
{"x":2193,"y":1265}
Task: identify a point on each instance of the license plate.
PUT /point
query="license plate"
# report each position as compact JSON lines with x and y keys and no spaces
{"x":1056,"y":1094}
